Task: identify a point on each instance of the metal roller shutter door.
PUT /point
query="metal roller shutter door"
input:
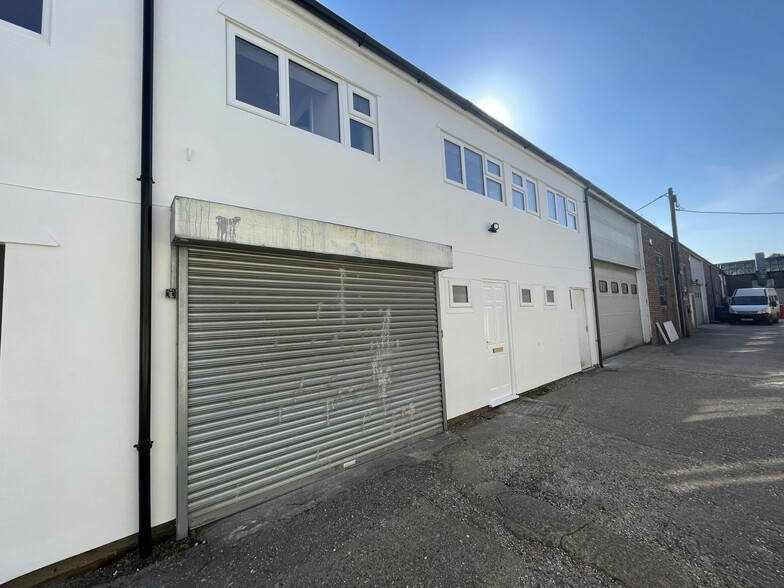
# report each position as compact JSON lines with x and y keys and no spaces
{"x":297,"y":366}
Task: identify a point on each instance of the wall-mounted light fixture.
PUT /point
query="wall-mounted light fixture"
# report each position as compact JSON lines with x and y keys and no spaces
{"x":493,"y":228}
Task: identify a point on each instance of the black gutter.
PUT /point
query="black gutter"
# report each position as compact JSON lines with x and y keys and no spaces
{"x":593,"y":276}
{"x":145,"y":286}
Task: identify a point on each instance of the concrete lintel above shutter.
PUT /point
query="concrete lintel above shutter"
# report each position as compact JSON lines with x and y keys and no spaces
{"x":203,"y":222}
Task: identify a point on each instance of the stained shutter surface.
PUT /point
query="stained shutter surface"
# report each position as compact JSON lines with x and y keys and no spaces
{"x":299,"y":365}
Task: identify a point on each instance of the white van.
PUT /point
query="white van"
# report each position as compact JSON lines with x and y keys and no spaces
{"x":754,"y":304}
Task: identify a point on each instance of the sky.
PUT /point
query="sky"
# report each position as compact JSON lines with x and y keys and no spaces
{"x":635,"y":95}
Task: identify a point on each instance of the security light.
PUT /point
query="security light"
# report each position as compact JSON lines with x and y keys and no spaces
{"x":493,"y":228}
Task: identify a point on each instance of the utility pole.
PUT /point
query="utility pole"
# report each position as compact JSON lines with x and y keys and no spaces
{"x":677,"y":260}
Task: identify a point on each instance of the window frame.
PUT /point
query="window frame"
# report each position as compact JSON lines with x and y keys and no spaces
{"x":486,"y":175}
{"x":633,"y":289}
{"x":345,"y":89}
{"x":46,"y":24}
{"x":520,"y":301}
{"x":554,"y":303}
{"x":614,"y":288}
{"x":306,"y":65}
{"x":362,"y":118}
{"x":524,"y":191}
{"x":606,"y":288}
{"x":567,"y":213}
{"x":232,"y":33}
{"x":624,"y":288}
{"x":451,"y":293}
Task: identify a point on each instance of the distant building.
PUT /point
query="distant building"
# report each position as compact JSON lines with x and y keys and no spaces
{"x":760,"y":272}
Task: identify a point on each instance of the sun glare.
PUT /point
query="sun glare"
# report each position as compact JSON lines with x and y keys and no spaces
{"x":495,"y":109}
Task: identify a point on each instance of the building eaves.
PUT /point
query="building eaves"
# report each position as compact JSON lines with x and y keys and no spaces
{"x":364,"y":40}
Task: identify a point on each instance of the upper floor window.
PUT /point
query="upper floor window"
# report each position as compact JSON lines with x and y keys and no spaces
{"x":362,"y":121}
{"x":562,"y":210}
{"x":26,"y":14}
{"x":524,"y":193}
{"x":473,"y":170}
{"x":265,"y":80}
{"x":313,"y":102}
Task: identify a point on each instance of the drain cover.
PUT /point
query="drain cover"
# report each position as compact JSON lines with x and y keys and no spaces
{"x":535,"y":408}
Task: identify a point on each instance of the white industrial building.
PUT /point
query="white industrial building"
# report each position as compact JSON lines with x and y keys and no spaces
{"x":345,"y":254}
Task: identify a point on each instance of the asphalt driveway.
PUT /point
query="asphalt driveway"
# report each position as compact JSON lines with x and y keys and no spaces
{"x":666,"y":468}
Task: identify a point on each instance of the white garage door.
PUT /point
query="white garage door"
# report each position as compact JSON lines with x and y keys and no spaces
{"x":620,"y":322}
{"x":297,"y":366}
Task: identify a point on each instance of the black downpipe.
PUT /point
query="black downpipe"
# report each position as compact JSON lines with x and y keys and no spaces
{"x":145,"y":285}
{"x":593,"y":276}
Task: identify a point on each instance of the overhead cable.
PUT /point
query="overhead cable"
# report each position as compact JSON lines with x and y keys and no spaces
{"x":651,"y":202}
{"x":728,"y":212}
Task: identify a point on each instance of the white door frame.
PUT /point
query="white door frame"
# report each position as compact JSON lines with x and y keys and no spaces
{"x":584,"y":293}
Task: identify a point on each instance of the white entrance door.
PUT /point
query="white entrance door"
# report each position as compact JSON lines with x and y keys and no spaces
{"x":497,"y":340}
{"x":581,"y":316}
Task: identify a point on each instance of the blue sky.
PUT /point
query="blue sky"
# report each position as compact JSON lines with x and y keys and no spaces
{"x":635,"y":95}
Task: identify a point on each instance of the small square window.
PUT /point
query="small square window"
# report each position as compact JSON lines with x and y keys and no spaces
{"x":602,"y":285}
{"x":493,"y":168}
{"x":361,"y":104}
{"x":517,"y":180}
{"x":460,"y":294}
{"x":494,"y":190}
{"x":625,"y":288}
{"x":525,"y":296}
{"x":549,"y":296}
{"x":361,"y":136}
{"x":634,"y":288}
{"x":614,"y":287}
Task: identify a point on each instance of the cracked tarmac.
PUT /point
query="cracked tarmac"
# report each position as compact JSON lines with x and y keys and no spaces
{"x":665,"y":469}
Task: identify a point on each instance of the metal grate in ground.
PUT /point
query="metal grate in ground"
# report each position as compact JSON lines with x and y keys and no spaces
{"x":535,"y":408}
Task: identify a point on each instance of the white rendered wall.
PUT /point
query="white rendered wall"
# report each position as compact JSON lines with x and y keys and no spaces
{"x":249,"y":160}
{"x":68,"y":163}
{"x":69,"y":158}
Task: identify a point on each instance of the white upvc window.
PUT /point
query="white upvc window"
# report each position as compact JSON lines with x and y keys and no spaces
{"x":459,"y":293}
{"x":524,"y":193}
{"x":550,"y":299}
{"x":362,"y":119}
{"x":266,"y":80}
{"x":561,"y":210}
{"x":473,"y":170}
{"x":526,"y":297}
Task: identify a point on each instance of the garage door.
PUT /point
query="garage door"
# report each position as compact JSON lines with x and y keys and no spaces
{"x":619,"y":311}
{"x":298,"y":366}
